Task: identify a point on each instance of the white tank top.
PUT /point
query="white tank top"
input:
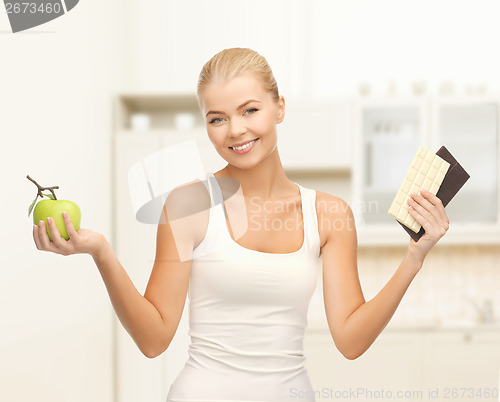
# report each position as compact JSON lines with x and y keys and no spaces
{"x":247,"y":315}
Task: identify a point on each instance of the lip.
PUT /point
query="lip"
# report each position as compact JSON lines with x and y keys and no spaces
{"x":243,"y":143}
{"x":247,"y":149}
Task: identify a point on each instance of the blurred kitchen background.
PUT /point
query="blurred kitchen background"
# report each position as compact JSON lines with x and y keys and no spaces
{"x":86,"y":96}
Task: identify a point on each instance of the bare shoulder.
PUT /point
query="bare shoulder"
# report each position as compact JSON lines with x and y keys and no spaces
{"x":189,"y":205}
{"x":334,"y":216}
{"x":187,"y":199}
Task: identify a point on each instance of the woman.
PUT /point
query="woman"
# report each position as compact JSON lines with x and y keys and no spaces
{"x":249,"y":298}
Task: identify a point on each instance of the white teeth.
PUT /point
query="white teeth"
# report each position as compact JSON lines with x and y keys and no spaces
{"x":243,"y":146}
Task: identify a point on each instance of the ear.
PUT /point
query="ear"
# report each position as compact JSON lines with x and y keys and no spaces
{"x":281,"y":109}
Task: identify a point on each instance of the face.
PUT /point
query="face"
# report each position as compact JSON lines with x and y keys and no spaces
{"x":240,"y":111}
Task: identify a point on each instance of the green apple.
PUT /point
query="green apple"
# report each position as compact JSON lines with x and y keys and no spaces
{"x":54,"y":209}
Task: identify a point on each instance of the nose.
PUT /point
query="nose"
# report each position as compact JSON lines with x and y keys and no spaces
{"x":237,"y":127}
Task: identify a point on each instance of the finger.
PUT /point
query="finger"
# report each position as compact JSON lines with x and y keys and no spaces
{"x":57,"y":240}
{"x":421,"y":219}
{"x":422,"y":209}
{"x":432,"y":225}
{"x":70,"y":229}
{"x":44,"y":237}
{"x":424,"y":202}
{"x":35,"y":237}
{"x":437,"y":210}
{"x":436,"y":201}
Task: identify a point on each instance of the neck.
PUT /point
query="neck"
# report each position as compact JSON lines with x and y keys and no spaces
{"x":267,"y":180}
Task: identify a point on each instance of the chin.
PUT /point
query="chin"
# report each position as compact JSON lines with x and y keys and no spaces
{"x":243,"y":165}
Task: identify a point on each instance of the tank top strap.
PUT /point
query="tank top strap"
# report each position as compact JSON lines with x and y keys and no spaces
{"x":214,"y":191}
{"x":216,"y":221}
{"x":207,"y":186}
{"x":310,"y":216}
{"x":216,"y":201}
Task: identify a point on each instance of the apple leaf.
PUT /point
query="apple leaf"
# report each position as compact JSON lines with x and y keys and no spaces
{"x":34,"y":201}
{"x":32,"y":205}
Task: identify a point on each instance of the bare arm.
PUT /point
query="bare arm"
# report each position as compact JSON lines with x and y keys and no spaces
{"x":140,"y":318}
{"x":152,"y":319}
{"x":354,"y":323}
{"x":362,"y":327}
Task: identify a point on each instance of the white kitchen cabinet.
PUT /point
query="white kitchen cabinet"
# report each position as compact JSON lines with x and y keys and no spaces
{"x":469,"y":129}
{"x":154,"y":56}
{"x":138,"y":378}
{"x":462,"y":365}
{"x":427,"y":363}
{"x":387,"y":135}
{"x":391,"y":363}
{"x":168,"y":42}
{"x":315,"y":135}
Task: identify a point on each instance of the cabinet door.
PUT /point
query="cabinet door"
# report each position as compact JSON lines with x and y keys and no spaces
{"x":155,"y":58}
{"x":469,"y":130}
{"x":388,"y":138}
{"x":458,"y":360}
{"x":315,"y":135}
{"x":391,"y":364}
{"x":138,"y":378}
{"x":168,"y":42}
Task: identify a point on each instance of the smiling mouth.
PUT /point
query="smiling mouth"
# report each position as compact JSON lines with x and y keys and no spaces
{"x":244,"y":146}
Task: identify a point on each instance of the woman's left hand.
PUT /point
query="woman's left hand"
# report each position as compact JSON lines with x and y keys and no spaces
{"x":428,"y":211}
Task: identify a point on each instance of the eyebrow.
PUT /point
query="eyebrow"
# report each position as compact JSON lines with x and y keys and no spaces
{"x":239,"y":107}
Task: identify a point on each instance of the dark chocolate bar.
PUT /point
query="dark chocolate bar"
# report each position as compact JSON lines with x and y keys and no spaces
{"x":453,"y":181}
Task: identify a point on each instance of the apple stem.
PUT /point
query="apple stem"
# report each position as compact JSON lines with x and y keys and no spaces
{"x":40,"y":188}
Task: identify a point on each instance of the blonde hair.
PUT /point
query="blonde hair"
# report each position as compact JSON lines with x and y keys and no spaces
{"x":228,"y":63}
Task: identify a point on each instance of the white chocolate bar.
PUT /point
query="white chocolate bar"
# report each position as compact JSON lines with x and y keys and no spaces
{"x":427,"y":171}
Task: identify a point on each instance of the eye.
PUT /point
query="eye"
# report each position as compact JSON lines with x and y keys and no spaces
{"x":215,"y":120}
{"x":251,"y":111}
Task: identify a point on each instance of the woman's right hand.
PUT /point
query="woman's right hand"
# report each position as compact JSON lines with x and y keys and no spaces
{"x":82,"y":242}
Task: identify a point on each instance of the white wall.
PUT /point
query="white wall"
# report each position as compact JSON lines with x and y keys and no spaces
{"x":55,"y":125}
